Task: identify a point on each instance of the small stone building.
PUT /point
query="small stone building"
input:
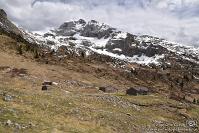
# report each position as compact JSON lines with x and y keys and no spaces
{"x":47,"y":83}
{"x":108,"y":89}
{"x":44,"y":88}
{"x":137,"y":91}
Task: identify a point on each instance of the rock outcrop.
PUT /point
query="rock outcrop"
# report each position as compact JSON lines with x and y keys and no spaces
{"x":6,"y":26}
{"x":3,"y":14}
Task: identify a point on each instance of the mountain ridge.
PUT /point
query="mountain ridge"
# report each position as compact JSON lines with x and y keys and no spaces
{"x":103,"y":39}
{"x":93,"y":37}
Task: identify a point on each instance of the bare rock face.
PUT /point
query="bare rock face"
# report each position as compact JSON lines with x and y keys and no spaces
{"x":124,"y":44}
{"x":3,"y":13}
{"x":7,"y":26}
{"x":70,"y":28}
{"x":94,"y":29}
{"x":90,"y":29}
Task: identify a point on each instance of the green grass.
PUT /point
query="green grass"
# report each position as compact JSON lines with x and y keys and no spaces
{"x":55,"y":111}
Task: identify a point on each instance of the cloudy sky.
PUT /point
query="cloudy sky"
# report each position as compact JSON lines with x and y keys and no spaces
{"x":175,"y":20}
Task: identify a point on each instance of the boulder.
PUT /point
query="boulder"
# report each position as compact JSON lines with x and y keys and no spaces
{"x":137,"y":91}
{"x":8,"y":98}
{"x":108,"y":89}
{"x":8,"y":123}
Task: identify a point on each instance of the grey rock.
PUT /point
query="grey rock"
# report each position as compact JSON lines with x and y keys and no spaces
{"x":137,"y":91}
{"x":8,"y":123}
{"x":123,"y":43}
{"x":117,"y":101}
{"x":31,"y":124}
{"x":86,"y":43}
{"x":18,"y":126}
{"x":8,"y":98}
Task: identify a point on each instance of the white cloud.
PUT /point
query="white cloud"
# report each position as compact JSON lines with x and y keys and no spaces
{"x":176,"y":20}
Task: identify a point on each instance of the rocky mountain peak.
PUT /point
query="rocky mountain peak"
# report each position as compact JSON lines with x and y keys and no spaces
{"x":87,"y":29}
{"x":72,"y":25}
{"x":93,"y":21}
{"x":70,"y":28}
{"x":96,"y":29}
{"x":81,"y":21}
{"x":3,"y":14}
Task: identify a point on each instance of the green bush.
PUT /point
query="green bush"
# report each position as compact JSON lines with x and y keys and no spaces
{"x":26,"y":47}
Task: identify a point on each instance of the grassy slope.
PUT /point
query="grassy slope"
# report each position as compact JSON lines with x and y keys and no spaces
{"x":71,"y":108}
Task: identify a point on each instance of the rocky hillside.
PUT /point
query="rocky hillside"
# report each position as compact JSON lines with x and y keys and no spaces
{"x":6,"y":25}
{"x":90,"y":77}
{"x":94,"y":41}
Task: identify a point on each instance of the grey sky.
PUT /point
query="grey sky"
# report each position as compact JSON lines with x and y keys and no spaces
{"x":175,"y":20}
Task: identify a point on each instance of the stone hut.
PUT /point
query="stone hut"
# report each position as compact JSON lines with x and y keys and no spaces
{"x":137,"y":91}
{"x":108,"y":89}
{"x":47,"y":83}
{"x":44,"y":88}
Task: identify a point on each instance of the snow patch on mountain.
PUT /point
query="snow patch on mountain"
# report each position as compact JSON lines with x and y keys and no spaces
{"x":95,"y":41}
{"x":117,"y":49}
{"x":143,"y":59}
{"x":179,"y":49}
{"x":121,"y":35}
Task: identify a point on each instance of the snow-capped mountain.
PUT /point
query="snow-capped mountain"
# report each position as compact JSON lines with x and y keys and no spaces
{"x":98,"y":38}
{"x":94,"y":38}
